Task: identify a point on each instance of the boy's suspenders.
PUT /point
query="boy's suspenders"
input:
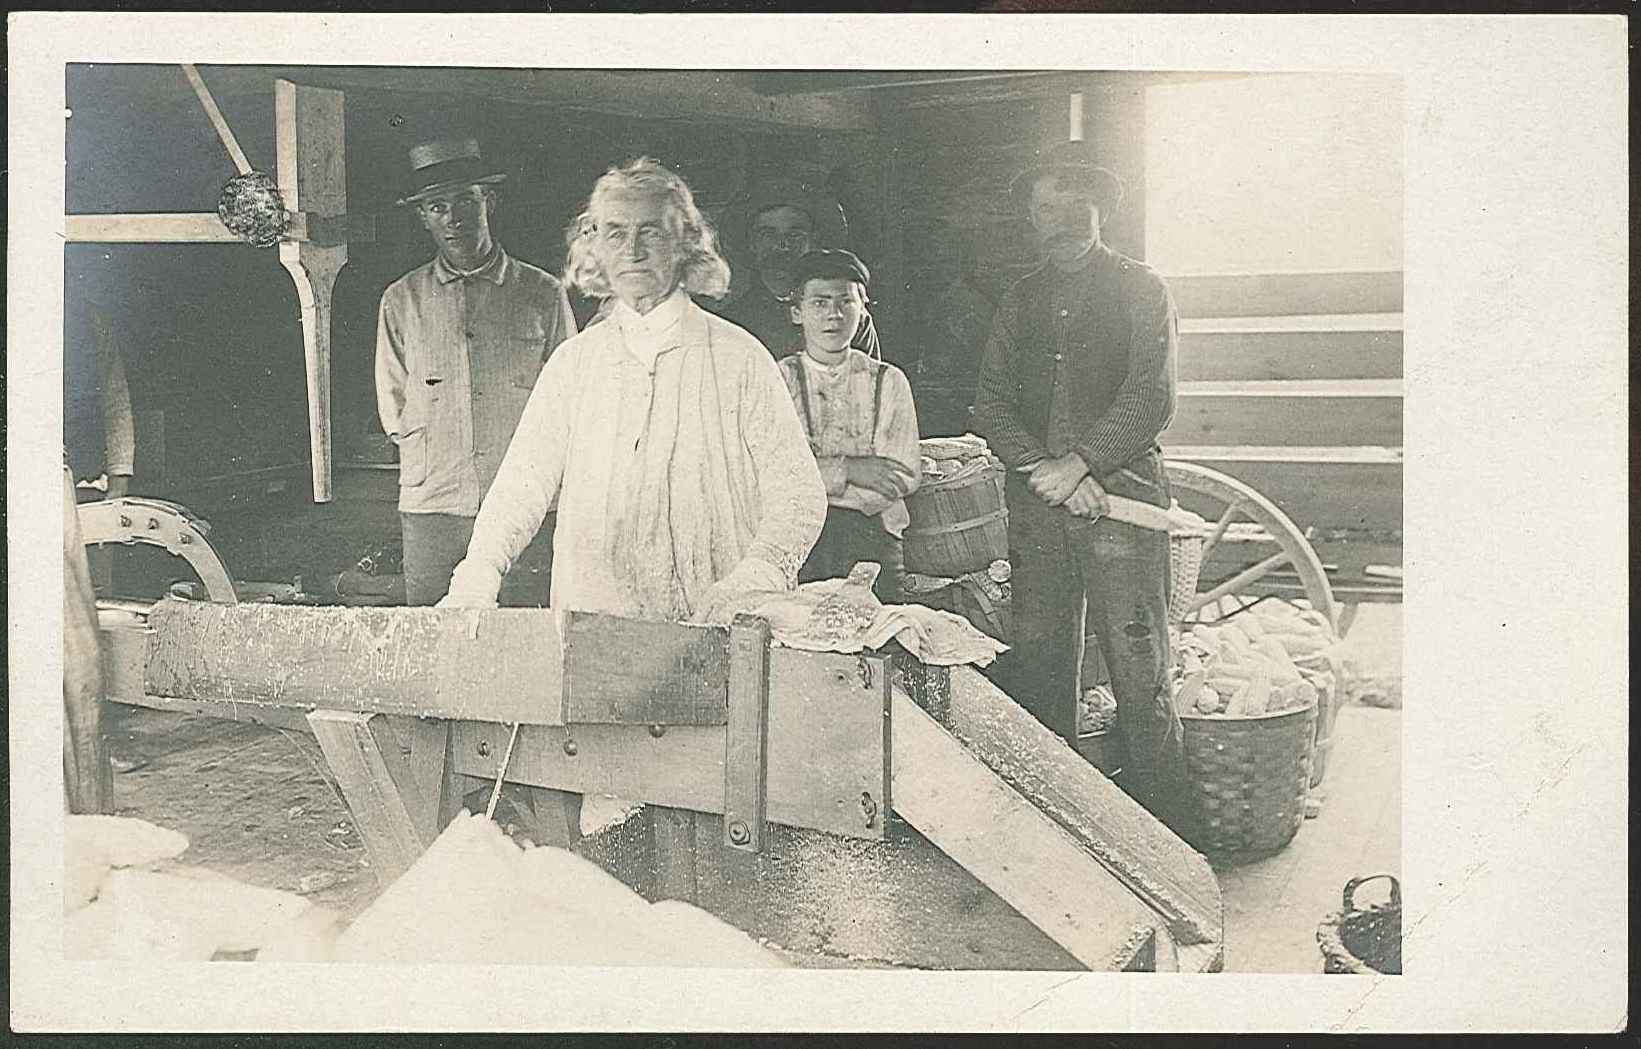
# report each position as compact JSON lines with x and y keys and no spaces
{"x":803,"y":396}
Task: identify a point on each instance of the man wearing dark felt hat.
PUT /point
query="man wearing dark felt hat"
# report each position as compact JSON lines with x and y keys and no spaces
{"x":1076,"y":386}
{"x":786,"y":218}
{"x":460,"y":341}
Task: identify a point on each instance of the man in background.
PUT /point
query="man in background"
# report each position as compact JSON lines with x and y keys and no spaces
{"x":460,"y":341}
{"x":786,"y":219}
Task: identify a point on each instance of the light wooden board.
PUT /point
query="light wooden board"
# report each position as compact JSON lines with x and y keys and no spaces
{"x":1288,"y":412}
{"x":1011,"y":846}
{"x":1138,"y":849}
{"x":1286,"y":294}
{"x":495,"y":665}
{"x":1320,"y":486}
{"x":1223,"y":353}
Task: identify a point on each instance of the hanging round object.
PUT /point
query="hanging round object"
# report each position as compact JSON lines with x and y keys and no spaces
{"x":252,"y":208}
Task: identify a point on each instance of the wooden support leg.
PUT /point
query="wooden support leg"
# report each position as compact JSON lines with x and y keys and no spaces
{"x":675,"y":847}
{"x":88,"y":778}
{"x":392,"y":773}
{"x":554,"y":816}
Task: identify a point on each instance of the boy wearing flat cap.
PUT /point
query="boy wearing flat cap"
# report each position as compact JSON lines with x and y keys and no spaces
{"x":1076,"y":385}
{"x":860,"y":420}
{"x":459,"y":343}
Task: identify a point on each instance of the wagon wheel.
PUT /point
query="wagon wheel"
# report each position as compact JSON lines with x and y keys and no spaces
{"x":1264,"y":537}
{"x":156,"y":522}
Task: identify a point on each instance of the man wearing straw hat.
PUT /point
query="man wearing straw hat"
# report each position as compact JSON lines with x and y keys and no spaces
{"x":1076,"y":384}
{"x":460,"y":341}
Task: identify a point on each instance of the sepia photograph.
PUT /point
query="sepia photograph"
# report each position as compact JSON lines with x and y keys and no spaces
{"x":858,"y":518}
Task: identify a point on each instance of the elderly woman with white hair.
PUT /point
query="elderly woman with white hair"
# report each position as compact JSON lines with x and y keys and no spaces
{"x":665,"y":434}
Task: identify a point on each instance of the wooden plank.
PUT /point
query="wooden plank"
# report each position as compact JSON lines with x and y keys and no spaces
{"x":1153,"y":862}
{"x":495,"y":664}
{"x":969,"y":813}
{"x":1298,"y":412}
{"x":1207,"y":354}
{"x":1315,"y":486}
{"x":747,"y":734}
{"x":1286,"y":294}
{"x":554,"y":817}
{"x":620,"y":671}
{"x":388,"y":801}
{"x":826,"y":749}
{"x":154,"y":228}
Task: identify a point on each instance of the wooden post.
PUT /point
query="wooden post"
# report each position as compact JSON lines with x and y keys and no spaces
{"x":392,"y":773}
{"x":312,"y":178}
{"x":88,"y":778}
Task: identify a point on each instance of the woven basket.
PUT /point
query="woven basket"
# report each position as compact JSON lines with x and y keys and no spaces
{"x":1249,"y":776}
{"x":957,"y":527}
{"x":1366,"y":940}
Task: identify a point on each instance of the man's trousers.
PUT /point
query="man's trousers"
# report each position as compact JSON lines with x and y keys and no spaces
{"x":435,"y":543}
{"x":1071,"y":577}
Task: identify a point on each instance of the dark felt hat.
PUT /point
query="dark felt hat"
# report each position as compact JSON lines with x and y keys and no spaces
{"x":833,"y":264}
{"x":1073,"y":160}
{"x":445,"y":164}
{"x":829,"y":225}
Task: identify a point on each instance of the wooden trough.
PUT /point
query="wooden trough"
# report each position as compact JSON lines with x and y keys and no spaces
{"x":848,"y":809}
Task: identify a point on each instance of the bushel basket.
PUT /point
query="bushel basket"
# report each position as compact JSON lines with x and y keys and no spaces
{"x":957,"y":526}
{"x":1248,"y":776}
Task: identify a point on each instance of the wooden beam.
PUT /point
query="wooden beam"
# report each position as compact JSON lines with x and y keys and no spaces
{"x":1287,"y":294}
{"x":498,"y":665}
{"x":1300,"y":411}
{"x":746,"y":743}
{"x":155,"y":228}
{"x":972,"y":815}
{"x":205,"y":227}
{"x":309,"y":138}
{"x":698,"y":96}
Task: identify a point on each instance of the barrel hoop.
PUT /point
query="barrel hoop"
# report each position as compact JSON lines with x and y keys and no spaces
{"x":960,"y":526}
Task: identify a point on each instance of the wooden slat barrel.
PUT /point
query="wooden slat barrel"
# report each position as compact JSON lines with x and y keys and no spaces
{"x":957,"y":526}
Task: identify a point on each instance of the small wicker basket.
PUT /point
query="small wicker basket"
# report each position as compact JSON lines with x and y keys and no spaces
{"x":1366,"y":940}
{"x":1249,"y":776}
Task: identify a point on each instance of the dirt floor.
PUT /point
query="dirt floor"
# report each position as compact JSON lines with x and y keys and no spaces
{"x":257,"y":804}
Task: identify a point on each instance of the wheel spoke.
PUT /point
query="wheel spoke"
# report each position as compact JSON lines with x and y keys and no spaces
{"x":1241,"y":579}
{"x":1232,"y":509}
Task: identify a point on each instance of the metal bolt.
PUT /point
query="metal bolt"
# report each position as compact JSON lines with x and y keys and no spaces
{"x":570,"y":747}
{"x":184,"y":538}
{"x":868,"y":808}
{"x":739,"y":833}
{"x":125,"y":520}
{"x":658,"y":731}
{"x":484,"y":748}
{"x":153,"y":524}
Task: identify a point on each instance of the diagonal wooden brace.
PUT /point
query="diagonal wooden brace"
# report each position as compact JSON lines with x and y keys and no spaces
{"x":393,"y":773}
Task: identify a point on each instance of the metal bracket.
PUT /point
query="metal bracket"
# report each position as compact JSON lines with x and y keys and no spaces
{"x":163,"y":524}
{"x":746,"y":743}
